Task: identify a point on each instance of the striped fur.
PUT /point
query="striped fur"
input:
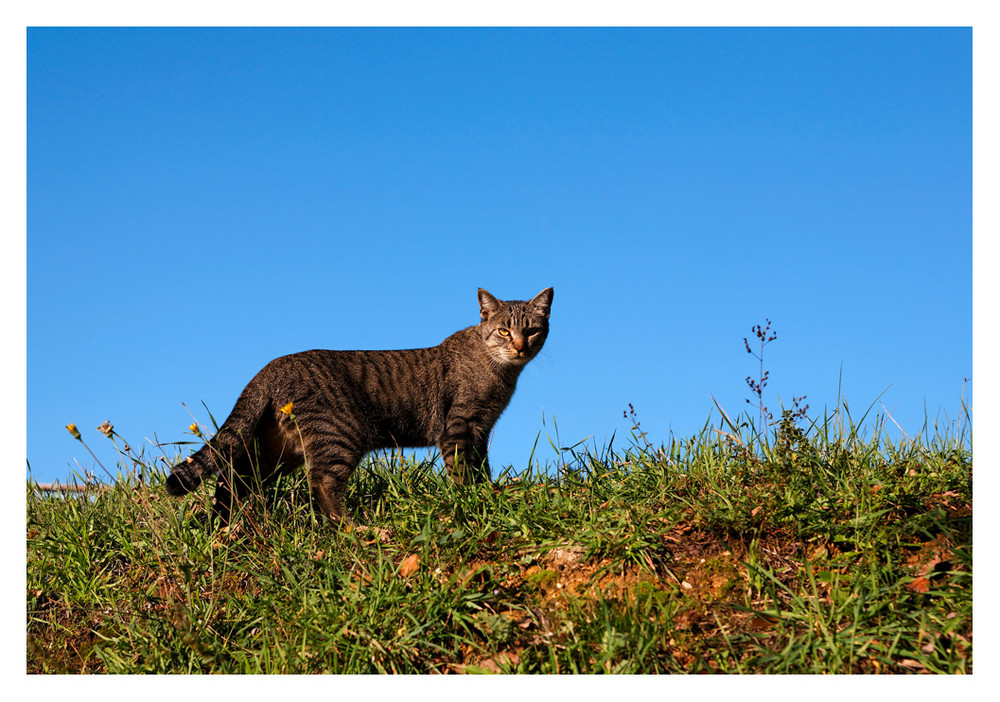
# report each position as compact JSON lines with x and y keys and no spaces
{"x":346,"y":403}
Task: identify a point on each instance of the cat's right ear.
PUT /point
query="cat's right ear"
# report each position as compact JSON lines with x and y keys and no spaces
{"x":487,"y":304}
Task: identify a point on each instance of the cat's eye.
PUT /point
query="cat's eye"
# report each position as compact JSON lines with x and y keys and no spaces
{"x":503,"y":332}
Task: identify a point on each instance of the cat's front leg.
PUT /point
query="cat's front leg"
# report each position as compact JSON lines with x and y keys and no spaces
{"x":478,"y":465}
{"x":454,"y":460}
{"x":464,"y":454}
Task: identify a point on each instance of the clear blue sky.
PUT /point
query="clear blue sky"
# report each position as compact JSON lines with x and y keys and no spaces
{"x":202,"y":201}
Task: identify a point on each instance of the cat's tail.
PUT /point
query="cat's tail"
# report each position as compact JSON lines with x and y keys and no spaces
{"x":187,"y":475}
{"x":230,"y":442}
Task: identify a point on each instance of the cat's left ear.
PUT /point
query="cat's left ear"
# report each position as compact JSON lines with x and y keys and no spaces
{"x":487,"y":304}
{"x":543,"y":301}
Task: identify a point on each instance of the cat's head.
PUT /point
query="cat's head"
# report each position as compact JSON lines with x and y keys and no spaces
{"x":514,"y":330}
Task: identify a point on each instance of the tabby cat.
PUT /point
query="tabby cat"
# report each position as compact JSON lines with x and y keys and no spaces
{"x":326,"y":409}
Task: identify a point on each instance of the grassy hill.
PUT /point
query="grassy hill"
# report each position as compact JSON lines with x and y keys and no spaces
{"x":816,"y":548}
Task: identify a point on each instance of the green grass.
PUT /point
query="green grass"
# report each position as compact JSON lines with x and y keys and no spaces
{"x":815,"y":549}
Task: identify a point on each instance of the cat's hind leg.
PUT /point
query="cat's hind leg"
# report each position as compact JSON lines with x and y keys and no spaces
{"x":329,"y":464}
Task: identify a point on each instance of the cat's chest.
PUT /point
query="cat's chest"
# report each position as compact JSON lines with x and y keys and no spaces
{"x":479,"y":388}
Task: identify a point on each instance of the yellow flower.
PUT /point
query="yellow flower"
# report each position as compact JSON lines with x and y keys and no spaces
{"x":106,"y":428}
{"x":71,"y":428}
{"x":194,"y":429}
{"x":287,"y":409}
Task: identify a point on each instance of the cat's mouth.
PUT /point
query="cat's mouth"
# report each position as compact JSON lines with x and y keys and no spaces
{"x":511,"y":356}
{"x":518,"y":357}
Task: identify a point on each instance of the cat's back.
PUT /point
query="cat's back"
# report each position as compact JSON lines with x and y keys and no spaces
{"x":384,"y":398}
{"x":457,"y":349}
{"x":319,"y":367}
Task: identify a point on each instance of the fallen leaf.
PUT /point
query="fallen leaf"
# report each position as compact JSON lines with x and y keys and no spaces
{"x":543,"y":619}
{"x":381,"y":535}
{"x":920,"y":584}
{"x":409,"y":565}
{"x":492,"y":665}
{"x":688,"y":619}
{"x":939,"y":553}
{"x":539,"y":618}
{"x":762,"y":622}
{"x":360,"y":578}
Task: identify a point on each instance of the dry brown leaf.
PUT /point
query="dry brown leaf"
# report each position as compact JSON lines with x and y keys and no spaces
{"x":493,"y":664}
{"x":409,"y":565}
{"x":688,"y":619}
{"x":382,"y":536}
{"x":539,"y":618}
{"x":912,"y":664}
{"x":762,"y":622}
{"x":939,"y":553}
